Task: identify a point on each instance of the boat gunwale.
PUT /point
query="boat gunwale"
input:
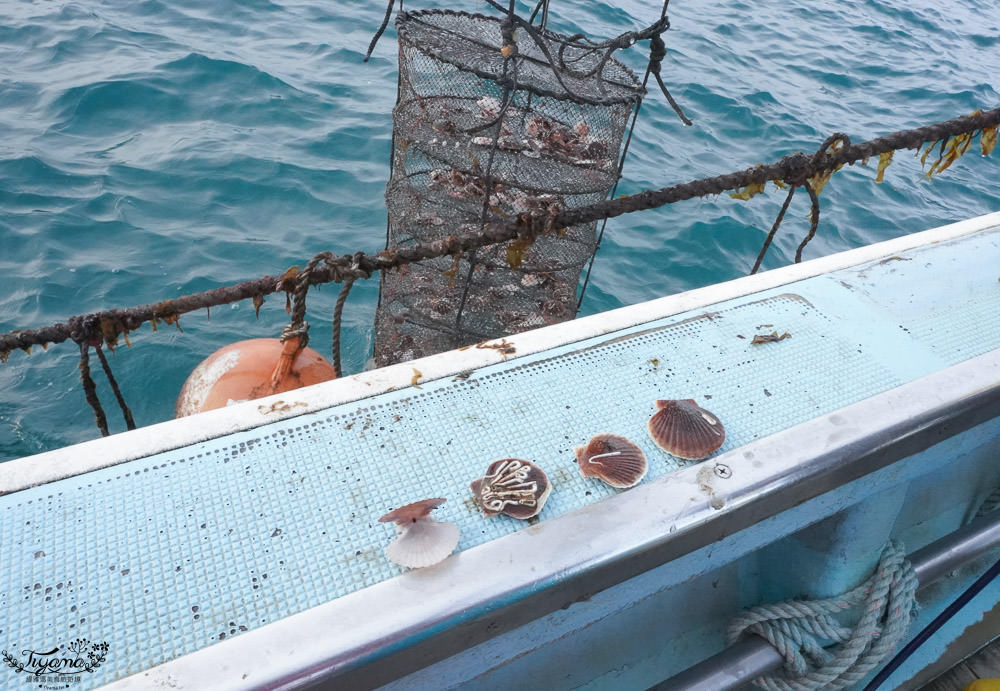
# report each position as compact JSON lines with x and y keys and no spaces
{"x":380,"y":633}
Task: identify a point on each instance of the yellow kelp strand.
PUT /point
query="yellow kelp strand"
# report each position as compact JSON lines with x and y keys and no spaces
{"x":883,"y":162}
{"x":988,"y":140}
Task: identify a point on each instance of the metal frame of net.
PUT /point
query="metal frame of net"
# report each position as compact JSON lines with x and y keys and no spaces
{"x":483,"y":134}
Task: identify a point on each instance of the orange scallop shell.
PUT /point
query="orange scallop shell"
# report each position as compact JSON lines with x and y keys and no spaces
{"x":614,"y":459}
{"x":685,"y":429}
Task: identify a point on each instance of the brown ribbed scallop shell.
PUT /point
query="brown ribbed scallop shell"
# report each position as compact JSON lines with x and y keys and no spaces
{"x":685,"y":429}
{"x":614,"y":459}
{"x":512,"y":486}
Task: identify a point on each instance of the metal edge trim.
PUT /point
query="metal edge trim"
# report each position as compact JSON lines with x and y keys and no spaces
{"x":424,"y":615}
{"x":92,"y":455}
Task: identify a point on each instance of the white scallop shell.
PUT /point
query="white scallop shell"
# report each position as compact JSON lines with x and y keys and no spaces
{"x":423,"y":543}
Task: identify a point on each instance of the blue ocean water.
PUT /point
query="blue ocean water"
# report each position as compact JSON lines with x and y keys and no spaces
{"x":152,"y":149}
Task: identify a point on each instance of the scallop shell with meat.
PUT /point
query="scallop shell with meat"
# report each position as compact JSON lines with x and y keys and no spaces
{"x":420,"y":540}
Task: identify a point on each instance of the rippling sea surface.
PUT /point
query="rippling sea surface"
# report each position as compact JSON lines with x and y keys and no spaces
{"x":150,"y":149}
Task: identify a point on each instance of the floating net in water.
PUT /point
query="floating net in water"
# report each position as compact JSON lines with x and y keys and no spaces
{"x":484,"y":135}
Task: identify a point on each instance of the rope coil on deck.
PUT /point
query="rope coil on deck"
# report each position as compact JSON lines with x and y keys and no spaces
{"x":802,"y":630}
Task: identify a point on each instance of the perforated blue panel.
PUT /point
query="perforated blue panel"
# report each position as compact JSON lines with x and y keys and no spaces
{"x":171,"y":553}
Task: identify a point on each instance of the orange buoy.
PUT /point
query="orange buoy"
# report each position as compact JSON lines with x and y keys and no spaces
{"x":251,"y":369}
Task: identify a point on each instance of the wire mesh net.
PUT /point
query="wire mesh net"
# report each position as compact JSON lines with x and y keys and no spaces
{"x":481,"y":137}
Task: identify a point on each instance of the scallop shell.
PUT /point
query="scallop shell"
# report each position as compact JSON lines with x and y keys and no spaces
{"x":614,"y":459}
{"x":512,"y":486}
{"x":423,"y":543}
{"x":410,"y":513}
{"x":684,"y":429}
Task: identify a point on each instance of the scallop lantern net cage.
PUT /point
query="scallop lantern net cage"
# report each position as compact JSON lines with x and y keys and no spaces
{"x":480,"y":137}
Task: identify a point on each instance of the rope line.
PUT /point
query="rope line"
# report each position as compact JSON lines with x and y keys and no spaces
{"x":509,"y":87}
{"x":618,"y":176}
{"x":90,"y":389}
{"x":544,"y":6}
{"x":381,"y":29}
{"x":658,"y":51}
{"x":773,"y":231}
{"x":813,"y":221}
{"x":338,"y":311}
{"x":582,"y":46}
{"x":794,"y":169}
{"x":800,"y":630}
{"x":126,"y":411}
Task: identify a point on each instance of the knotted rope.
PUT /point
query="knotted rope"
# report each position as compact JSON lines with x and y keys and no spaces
{"x":295,"y":336}
{"x":347,"y":276}
{"x":559,"y":64}
{"x":658,"y":51}
{"x":800,"y":176}
{"x":87,"y":331}
{"x":802,"y":630}
{"x":582,"y":46}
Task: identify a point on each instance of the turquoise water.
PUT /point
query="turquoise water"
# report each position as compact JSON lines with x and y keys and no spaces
{"x":154,"y":149}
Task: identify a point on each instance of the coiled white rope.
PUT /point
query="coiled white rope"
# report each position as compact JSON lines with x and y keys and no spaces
{"x":820,"y":651}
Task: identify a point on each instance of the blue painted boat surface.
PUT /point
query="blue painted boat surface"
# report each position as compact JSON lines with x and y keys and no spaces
{"x":240,"y":548}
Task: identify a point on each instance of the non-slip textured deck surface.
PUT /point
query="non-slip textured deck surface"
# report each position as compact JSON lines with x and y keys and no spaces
{"x":164,"y":555}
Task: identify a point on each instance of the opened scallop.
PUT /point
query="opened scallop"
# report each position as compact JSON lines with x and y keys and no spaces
{"x":420,"y":540}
